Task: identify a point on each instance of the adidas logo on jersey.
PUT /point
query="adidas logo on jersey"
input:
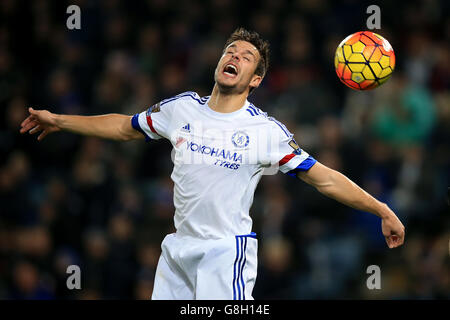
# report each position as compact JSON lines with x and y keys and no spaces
{"x":186,"y":128}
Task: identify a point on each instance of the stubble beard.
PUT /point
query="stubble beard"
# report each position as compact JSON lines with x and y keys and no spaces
{"x":229,"y":89}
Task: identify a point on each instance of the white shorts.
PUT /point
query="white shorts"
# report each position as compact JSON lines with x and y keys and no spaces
{"x":198,"y":269}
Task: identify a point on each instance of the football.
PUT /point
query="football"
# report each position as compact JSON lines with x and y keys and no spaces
{"x":364,"y":60}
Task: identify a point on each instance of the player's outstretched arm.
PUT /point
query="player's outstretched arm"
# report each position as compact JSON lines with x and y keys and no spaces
{"x":337,"y":186}
{"x":108,"y":126}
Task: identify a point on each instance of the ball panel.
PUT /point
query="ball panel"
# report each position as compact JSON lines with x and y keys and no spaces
{"x":367,"y":39}
{"x":358,"y":47}
{"x":376,"y":56}
{"x":356,"y":57}
{"x":340,"y":55}
{"x":340,"y":69}
{"x":347,"y":50}
{"x":346,"y":74}
{"x":368,"y":74}
{"x":357,"y":77}
{"x":352,"y":84}
{"x":385,"y":45}
{"x":367,"y":52}
{"x":385,"y":73}
{"x":353,"y":39}
{"x":368,"y":84}
{"x":376,"y":38}
{"x":392,"y":61}
{"x":356,"y":67}
{"x":384,"y":61}
{"x":376,"y":68}
{"x":384,"y":51}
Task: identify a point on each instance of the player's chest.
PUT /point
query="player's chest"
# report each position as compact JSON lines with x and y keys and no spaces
{"x":228,"y":145}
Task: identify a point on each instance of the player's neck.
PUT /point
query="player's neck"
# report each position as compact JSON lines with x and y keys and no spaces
{"x":226,"y":103}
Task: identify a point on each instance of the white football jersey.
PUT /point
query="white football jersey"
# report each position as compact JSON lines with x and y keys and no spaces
{"x":219,"y":159}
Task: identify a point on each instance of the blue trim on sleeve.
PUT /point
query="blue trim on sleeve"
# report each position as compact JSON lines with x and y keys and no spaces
{"x":304,"y":166}
{"x":136,"y":126}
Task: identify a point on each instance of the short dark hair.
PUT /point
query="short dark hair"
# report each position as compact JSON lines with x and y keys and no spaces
{"x":260,"y":44}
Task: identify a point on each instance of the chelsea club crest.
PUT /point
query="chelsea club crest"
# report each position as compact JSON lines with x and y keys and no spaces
{"x":240,"y":139}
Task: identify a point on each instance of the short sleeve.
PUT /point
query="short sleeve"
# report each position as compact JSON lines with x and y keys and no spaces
{"x":285,"y":151}
{"x":154,"y":123}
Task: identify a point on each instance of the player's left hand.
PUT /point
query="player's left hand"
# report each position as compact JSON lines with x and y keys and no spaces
{"x":39,"y":120}
{"x":393,"y":230}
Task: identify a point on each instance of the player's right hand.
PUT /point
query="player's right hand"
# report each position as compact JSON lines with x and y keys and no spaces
{"x":393,"y":230}
{"x":39,"y":120}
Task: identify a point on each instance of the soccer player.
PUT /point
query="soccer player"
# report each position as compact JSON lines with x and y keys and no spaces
{"x":223,"y":144}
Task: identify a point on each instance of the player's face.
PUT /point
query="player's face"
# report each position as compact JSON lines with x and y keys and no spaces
{"x":235,"y":71}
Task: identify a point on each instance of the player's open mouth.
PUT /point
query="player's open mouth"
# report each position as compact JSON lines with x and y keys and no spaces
{"x":230,"y":70}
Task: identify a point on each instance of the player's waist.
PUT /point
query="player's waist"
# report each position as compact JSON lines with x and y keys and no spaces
{"x":180,"y":234}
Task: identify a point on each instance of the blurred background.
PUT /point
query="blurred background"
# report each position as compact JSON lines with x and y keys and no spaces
{"x":106,"y":206}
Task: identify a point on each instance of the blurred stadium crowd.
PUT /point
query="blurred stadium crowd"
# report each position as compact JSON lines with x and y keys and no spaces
{"x":106,"y":206}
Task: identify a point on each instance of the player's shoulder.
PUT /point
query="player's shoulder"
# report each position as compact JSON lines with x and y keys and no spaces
{"x":256,"y":114}
{"x":185,"y":97}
